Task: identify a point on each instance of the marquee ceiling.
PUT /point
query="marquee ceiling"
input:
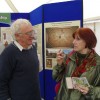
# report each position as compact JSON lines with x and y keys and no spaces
{"x":90,"y":7}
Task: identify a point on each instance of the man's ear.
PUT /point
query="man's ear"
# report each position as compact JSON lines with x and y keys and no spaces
{"x":17,"y":36}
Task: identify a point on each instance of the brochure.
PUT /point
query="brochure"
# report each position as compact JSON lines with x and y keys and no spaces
{"x":72,"y":81}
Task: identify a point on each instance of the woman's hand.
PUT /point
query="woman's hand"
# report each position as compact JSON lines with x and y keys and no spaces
{"x":60,"y":57}
{"x":82,"y":89}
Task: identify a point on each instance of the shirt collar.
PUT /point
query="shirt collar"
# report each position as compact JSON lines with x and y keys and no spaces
{"x":20,"y":47}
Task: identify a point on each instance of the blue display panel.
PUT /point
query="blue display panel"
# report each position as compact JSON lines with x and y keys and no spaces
{"x":66,"y":12}
{"x":4,"y":25}
{"x":15,"y":16}
{"x":36,"y":18}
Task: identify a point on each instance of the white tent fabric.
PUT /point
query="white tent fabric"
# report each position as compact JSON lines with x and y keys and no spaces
{"x":90,"y":7}
{"x":23,"y":6}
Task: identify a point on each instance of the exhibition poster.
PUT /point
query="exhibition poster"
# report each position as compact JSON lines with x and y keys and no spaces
{"x":58,"y":35}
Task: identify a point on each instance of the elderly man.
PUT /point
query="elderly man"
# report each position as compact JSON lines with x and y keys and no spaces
{"x":19,"y":65}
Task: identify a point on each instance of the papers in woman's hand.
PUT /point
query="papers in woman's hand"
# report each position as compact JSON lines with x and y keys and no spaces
{"x":72,"y":81}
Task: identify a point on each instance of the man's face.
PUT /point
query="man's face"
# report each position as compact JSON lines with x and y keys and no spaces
{"x":26,"y":37}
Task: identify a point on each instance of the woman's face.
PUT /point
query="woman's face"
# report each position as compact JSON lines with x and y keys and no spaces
{"x":79,"y":44}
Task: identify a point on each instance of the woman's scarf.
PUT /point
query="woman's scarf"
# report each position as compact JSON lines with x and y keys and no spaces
{"x":86,"y":64}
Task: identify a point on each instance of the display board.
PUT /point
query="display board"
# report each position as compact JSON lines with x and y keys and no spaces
{"x":60,"y":21}
{"x":36,"y":18}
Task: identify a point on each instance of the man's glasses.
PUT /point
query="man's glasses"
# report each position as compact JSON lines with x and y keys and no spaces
{"x":31,"y":33}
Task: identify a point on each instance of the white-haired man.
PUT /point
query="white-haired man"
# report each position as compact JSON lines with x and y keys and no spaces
{"x":19,"y":65}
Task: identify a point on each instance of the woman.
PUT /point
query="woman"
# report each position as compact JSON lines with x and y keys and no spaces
{"x":83,"y":62}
